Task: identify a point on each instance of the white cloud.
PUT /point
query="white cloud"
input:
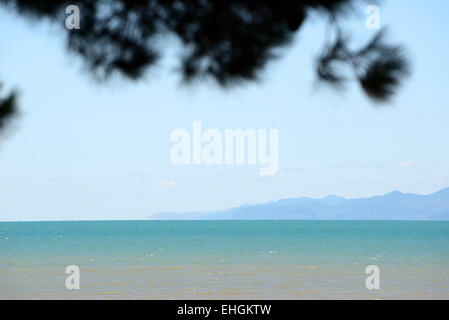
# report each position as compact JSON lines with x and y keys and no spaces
{"x":166,"y":184}
{"x":406,"y":163}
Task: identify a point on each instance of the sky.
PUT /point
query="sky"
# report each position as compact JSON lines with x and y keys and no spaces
{"x":88,"y":151}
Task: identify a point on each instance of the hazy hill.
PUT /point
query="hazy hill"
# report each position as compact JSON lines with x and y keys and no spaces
{"x":391,"y":206}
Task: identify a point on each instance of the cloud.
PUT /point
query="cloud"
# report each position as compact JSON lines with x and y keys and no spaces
{"x":342,"y":165}
{"x":166,"y":184}
{"x":406,"y":163}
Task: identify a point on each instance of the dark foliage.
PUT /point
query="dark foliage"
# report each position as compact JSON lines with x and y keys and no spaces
{"x":226,"y":41}
{"x":8,"y":109}
{"x":378,"y":66}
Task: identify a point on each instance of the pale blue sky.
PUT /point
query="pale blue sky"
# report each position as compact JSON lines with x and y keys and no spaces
{"x":88,"y":151}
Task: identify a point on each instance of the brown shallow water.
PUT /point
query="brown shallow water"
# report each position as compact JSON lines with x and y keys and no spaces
{"x":225,"y":282}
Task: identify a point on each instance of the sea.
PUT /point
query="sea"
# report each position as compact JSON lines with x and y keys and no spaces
{"x":225,"y":260}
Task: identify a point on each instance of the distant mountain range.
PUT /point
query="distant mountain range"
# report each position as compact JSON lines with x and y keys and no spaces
{"x":392,"y":206}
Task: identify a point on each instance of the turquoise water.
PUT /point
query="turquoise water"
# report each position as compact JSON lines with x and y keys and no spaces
{"x":314,"y":254}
